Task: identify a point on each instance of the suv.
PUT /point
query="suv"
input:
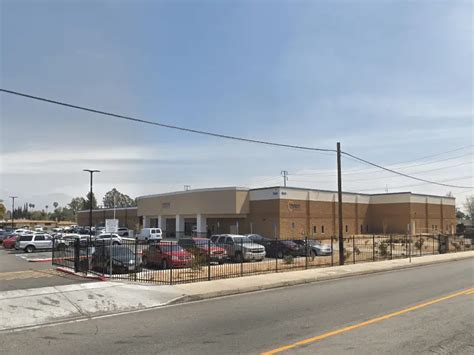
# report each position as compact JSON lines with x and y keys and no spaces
{"x":31,"y":242}
{"x":241,"y":248}
{"x":123,"y":232}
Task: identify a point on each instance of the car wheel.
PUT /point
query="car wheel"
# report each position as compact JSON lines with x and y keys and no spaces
{"x":30,"y":249}
{"x":115,"y":243}
{"x":164,"y":264}
{"x":314,"y":253}
{"x":280,"y":254}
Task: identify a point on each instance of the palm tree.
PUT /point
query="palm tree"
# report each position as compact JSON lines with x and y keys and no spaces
{"x":55,"y":204}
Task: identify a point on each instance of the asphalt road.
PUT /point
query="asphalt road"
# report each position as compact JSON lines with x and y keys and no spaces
{"x":263,"y":321}
{"x":17,"y":273}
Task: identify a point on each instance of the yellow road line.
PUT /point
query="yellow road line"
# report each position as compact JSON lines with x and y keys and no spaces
{"x":363,"y":324}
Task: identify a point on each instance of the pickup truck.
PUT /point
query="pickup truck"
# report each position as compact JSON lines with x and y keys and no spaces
{"x":241,"y":248}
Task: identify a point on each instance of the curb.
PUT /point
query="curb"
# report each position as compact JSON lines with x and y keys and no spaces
{"x":70,"y":272}
{"x":39,"y":260}
{"x":204,"y":296}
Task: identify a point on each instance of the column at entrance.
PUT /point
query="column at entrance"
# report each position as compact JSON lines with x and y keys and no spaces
{"x":179,"y":226}
{"x":201,"y":225}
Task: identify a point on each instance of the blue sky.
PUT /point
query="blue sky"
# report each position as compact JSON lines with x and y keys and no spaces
{"x":391,"y":80}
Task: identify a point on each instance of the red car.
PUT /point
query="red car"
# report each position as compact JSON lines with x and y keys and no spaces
{"x":9,"y":243}
{"x":166,"y":254}
{"x":205,"y":248}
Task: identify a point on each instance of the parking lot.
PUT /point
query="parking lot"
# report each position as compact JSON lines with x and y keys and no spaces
{"x":16,"y":272}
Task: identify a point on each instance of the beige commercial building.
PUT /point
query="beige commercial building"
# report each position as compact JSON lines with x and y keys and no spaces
{"x":284,"y":212}
{"x":288,"y":212}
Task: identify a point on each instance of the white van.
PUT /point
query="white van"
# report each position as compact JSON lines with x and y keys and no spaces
{"x":150,"y":234}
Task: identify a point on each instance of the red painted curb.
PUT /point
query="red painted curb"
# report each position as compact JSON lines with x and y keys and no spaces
{"x":70,"y":272}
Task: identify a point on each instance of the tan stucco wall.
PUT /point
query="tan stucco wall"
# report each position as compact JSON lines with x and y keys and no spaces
{"x":219,"y":201}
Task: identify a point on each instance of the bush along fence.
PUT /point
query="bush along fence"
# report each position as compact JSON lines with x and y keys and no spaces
{"x":200,"y":259}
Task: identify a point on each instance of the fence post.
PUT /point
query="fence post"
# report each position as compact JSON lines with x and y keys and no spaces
{"x":391,"y":247}
{"x":242,"y":258}
{"x":421,"y":246}
{"x":373,"y":247}
{"x":332,"y":251}
{"x":136,"y":266}
{"x":209,"y":260}
{"x":276,"y":256}
{"x":353,"y":250}
{"x":76,"y":255}
{"x":433,"y":245}
{"x":306,"y":253}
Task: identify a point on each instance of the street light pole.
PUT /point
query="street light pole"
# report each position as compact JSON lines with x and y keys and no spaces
{"x":90,"y":200}
{"x":13,"y":209}
{"x":339,"y":205}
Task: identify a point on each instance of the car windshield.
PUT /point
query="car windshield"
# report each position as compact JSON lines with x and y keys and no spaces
{"x":242,"y":240}
{"x":171,"y":248}
{"x":204,"y":242}
{"x":289,"y":243}
{"x":122,"y":251}
{"x":314,"y":242}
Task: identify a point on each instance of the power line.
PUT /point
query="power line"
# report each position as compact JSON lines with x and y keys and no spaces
{"x":184,"y":129}
{"x":403,"y":174}
{"x":402,"y":186}
{"x":212,"y":134}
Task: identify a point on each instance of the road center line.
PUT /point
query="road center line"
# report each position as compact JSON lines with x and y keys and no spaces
{"x":368,"y":322}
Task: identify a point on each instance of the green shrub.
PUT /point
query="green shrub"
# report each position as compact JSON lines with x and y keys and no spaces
{"x":383,"y":249}
{"x":419,"y":243}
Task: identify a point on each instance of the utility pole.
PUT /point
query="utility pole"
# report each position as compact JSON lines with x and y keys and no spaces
{"x":91,"y":172}
{"x":13,"y":209}
{"x":339,"y":205}
{"x":284,"y":173}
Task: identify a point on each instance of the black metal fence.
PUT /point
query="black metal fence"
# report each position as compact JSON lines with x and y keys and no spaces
{"x":200,"y":259}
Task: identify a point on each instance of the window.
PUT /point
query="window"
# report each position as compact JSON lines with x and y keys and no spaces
{"x":347,"y":228}
{"x":39,"y":237}
{"x":314,"y":229}
{"x":25,"y":238}
{"x":322,"y":229}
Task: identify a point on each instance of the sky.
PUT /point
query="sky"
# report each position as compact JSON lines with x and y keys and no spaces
{"x":391,"y":80}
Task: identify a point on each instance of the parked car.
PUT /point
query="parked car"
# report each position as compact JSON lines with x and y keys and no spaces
{"x":31,"y":242}
{"x":124,"y":260}
{"x":9,"y":242}
{"x":123,"y":232}
{"x":204,"y":248}
{"x":67,"y":240}
{"x":3,"y":235}
{"x":150,"y":234}
{"x":22,"y":231}
{"x":282,"y":248}
{"x":165,"y":255}
{"x":214,"y":237}
{"x":105,"y":239}
{"x":257,"y":238}
{"x":241,"y":248}
{"x":315,"y":247}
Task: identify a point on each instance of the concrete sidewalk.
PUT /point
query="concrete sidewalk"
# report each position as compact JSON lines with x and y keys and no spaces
{"x":40,"y":306}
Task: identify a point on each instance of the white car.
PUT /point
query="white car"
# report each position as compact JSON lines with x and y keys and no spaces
{"x":150,"y":234}
{"x":104,"y":238}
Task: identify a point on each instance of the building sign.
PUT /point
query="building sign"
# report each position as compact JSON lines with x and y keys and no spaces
{"x":293,"y":206}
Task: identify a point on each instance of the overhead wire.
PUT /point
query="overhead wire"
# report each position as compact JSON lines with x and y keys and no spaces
{"x":217,"y":135}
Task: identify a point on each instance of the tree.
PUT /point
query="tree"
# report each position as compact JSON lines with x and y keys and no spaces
{"x":87,"y":202}
{"x":55,"y":204}
{"x":469,"y":207}
{"x":117,"y":199}
{"x":3,"y":211}
{"x":77,"y":204}
{"x":460,"y":214}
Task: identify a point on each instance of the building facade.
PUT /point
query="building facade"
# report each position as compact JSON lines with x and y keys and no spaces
{"x":287,"y":212}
